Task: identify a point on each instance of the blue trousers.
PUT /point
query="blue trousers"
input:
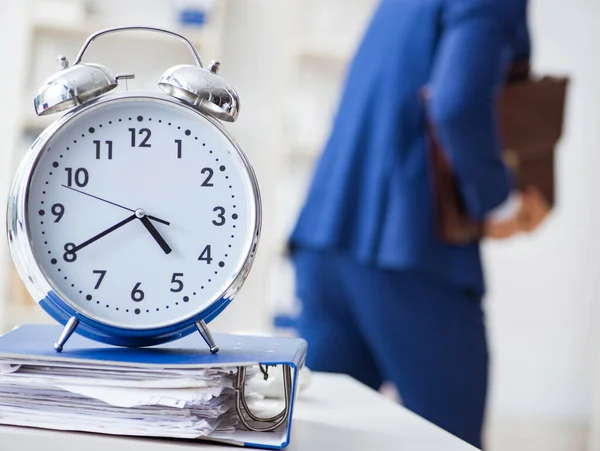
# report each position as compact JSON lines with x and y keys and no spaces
{"x":424,"y":335}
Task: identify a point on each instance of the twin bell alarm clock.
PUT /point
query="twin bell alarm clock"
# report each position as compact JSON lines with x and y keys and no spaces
{"x":134,"y":218}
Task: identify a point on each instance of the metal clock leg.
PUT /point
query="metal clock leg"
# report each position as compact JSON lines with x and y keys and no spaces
{"x":66,"y":334}
{"x":208,"y":338}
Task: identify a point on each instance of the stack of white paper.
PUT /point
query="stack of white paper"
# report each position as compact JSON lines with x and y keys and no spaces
{"x":179,"y":403}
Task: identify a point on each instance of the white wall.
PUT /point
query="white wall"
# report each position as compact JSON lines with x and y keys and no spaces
{"x":542,"y":287}
{"x":13,"y":44}
{"x":252,"y":56}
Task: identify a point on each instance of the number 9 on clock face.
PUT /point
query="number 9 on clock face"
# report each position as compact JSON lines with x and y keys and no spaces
{"x":141,"y":213}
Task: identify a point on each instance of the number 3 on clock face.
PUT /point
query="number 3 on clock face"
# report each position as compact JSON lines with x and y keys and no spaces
{"x":141,"y":214}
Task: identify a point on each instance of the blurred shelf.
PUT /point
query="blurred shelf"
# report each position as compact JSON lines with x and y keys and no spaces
{"x":307,"y":149}
{"x":304,"y":153}
{"x":325,"y":49}
{"x":205,"y":35}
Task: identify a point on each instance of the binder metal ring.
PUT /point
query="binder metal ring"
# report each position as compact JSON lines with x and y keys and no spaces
{"x":242,"y":408}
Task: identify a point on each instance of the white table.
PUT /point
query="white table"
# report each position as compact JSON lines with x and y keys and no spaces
{"x":334,"y":413}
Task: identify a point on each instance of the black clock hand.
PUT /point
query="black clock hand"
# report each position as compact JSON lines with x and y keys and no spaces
{"x":157,"y":236}
{"x":115,"y":204}
{"x":101,"y":234}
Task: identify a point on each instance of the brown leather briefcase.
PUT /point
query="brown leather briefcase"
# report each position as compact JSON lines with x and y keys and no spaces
{"x":531,"y":114}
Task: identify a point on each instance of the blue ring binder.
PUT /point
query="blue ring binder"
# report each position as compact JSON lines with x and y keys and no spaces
{"x":29,"y":343}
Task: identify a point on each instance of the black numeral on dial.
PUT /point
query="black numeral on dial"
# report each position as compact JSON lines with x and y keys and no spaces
{"x":137,"y":295}
{"x":102,"y":273}
{"x":177,"y":282}
{"x":178,"y":142}
{"x":80,"y":176}
{"x":146,"y":136}
{"x":70,"y":256}
{"x":58,"y":210}
{"x":109,"y":145}
{"x":220,"y":216}
{"x":205,"y":255}
{"x":210,"y":173}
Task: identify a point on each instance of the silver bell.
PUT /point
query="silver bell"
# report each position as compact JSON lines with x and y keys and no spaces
{"x":72,"y":86}
{"x":203,"y":89}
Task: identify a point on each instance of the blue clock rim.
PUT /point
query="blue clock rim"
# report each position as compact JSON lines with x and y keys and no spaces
{"x":98,"y":331}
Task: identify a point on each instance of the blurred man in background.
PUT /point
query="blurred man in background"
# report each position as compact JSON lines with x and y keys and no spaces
{"x":384,"y":299}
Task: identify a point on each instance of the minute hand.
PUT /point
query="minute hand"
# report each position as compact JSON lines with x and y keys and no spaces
{"x":154,"y":218}
{"x":106,"y":232}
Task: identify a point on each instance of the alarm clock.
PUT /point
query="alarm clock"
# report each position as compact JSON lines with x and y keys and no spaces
{"x":134,"y":218}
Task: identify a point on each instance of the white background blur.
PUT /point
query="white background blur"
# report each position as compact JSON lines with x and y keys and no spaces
{"x":287,"y":59}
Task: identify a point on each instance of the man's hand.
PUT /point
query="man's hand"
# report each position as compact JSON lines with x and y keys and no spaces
{"x":535,"y":210}
{"x":501,"y":230}
{"x":532,"y":211}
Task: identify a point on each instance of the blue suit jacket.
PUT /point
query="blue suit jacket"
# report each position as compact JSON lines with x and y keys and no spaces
{"x":371,"y":195}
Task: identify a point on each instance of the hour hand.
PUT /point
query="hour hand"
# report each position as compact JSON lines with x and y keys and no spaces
{"x":141,"y":215}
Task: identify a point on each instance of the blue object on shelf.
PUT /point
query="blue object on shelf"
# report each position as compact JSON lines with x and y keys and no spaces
{"x":283,"y":321}
{"x":192,"y":17}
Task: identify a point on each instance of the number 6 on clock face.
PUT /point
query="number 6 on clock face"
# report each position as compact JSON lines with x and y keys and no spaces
{"x":141,"y":215}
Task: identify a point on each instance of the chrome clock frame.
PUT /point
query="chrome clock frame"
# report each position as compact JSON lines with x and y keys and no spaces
{"x":59,"y":306}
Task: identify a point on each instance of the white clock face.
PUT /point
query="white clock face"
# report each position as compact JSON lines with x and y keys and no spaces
{"x":140,"y":212}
